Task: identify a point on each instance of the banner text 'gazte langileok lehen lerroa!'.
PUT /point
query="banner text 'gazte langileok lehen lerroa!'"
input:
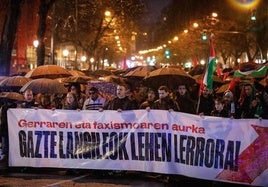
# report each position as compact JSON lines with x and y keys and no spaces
{"x":156,"y":141}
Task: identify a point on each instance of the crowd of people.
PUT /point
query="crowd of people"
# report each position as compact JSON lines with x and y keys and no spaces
{"x":251,"y":103}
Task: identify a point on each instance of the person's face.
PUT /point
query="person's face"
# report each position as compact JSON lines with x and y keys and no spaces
{"x":121,"y":91}
{"x":205,"y":92}
{"x":28,"y":96}
{"x":151,"y":96}
{"x":73,"y":89}
{"x":162,"y":94}
{"x":70,"y":98}
{"x":93,"y":95}
{"x":248,"y":90}
{"x":182,"y":89}
{"x":218,"y":105}
{"x":227,"y":98}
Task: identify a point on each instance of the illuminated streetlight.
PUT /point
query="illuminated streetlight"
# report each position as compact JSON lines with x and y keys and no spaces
{"x":35,"y":43}
{"x":83,"y":58}
{"x":107,"y":13}
{"x":214,"y":14}
{"x":91,"y":60}
{"x":185,"y":31}
{"x":195,"y":25}
{"x":202,"y":62}
{"x":65,"y":52}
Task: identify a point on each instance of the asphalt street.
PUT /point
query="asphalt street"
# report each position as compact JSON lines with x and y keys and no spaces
{"x":51,"y":177}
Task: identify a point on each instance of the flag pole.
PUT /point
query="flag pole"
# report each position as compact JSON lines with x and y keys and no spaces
{"x":199,"y":95}
{"x":208,"y":74}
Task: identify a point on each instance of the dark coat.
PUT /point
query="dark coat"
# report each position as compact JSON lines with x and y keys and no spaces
{"x":166,"y":104}
{"x":206,"y":105}
{"x":117,"y":103}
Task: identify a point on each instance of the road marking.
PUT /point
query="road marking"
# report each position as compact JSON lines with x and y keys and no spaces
{"x":65,"y":181}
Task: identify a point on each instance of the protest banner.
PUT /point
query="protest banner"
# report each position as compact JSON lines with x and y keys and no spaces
{"x":205,"y":147}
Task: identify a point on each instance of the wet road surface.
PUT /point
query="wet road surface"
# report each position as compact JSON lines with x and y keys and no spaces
{"x":51,"y":177}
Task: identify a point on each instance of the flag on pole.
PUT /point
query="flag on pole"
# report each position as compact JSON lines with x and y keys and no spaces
{"x":211,"y":66}
{"x":195,"y":62}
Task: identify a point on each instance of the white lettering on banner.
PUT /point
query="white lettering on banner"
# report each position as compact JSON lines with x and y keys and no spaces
{"x":179,"y":143}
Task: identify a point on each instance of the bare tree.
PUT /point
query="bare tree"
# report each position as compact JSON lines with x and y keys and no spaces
{"x":8,"y":34}
{"x":44,"y":7}
{"x":89,"y":29}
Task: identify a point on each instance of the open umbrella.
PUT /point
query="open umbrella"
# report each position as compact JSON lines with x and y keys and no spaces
{"x":113,"y":79}
{"x":11,"y":96}
{"x":137,"y":74}
{"x":77,"y":73}
{"x":171,"y":77}
{"x":77,"y":79}
{"x":216,"y":79}
{"x":101,"y":72}
{"x":48,"y":71}
{"x":15,"y":81}
{"x":44,"y":86}
{"x":197,"y":70}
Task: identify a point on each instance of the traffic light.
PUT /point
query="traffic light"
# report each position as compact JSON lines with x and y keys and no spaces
{"x":204,"y":36}
{"x":167,"y":54}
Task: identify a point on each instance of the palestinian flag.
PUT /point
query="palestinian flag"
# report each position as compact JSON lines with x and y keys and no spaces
{"x":259,"y":71}
{"x":211,"y":66}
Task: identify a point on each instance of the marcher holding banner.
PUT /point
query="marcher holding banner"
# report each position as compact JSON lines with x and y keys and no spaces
{"x":151,"y":97}
{"x":164,"y":102}
{"x":95,"y":101}
{"x":207,"y":147}
{"x":206,"y":103}
{"x":121,"y":102}
{"x":219,"y":110}
{"x":184,"y":100}
{"x":29,"y":100}
{"x":71,"y":102}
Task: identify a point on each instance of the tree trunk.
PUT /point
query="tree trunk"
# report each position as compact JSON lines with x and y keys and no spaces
{"x":9,"y":34}
{"x":42,"y":26}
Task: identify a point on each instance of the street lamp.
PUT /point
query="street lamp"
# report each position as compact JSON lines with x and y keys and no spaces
{"x":91,"y":60}
{"x":107,"y":13}
{"x":35,"y":43}
{"x":83,"y":58}
{"x":65,"y":54}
